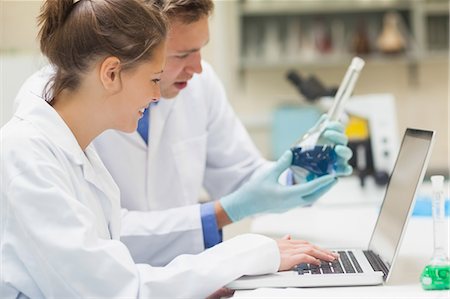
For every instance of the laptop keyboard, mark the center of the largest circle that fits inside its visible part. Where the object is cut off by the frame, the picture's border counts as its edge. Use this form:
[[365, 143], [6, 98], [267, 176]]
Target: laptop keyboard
[[346, 263]]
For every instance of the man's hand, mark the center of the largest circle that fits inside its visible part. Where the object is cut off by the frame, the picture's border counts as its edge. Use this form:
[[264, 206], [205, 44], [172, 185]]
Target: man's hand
[[264, 193]]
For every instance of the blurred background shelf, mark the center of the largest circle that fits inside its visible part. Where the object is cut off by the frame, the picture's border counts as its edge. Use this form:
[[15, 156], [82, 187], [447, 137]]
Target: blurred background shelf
[[334, 60], [286, 33], [268, 7]]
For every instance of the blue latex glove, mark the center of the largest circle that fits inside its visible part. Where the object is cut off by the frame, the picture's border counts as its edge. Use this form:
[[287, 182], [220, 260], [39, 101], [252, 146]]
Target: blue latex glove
[[333, 135], [264, 193]]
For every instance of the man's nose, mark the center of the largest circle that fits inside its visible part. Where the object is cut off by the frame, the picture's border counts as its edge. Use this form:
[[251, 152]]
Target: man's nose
[[194, 66]]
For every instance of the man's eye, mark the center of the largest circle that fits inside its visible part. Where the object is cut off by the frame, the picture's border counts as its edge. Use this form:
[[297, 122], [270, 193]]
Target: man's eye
[[156, 81]]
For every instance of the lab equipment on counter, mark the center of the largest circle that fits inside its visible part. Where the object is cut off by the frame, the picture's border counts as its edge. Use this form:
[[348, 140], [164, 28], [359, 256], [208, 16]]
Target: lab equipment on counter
[[311, 88], [372, 131], [312, 158], [436, 275]]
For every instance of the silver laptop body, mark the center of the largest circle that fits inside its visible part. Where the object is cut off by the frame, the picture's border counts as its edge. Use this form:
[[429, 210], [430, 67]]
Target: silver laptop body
[[376, 264]]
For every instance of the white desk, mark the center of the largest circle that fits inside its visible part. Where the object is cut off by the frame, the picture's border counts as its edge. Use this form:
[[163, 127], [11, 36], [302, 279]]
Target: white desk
[[349, 223]]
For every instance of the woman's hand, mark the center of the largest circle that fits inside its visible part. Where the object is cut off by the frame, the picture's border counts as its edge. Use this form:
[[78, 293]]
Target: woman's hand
[[294, 252]]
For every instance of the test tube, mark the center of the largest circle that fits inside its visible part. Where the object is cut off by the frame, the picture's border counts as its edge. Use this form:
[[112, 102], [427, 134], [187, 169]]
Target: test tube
[[309, 140], [346, 88], [438, 212]]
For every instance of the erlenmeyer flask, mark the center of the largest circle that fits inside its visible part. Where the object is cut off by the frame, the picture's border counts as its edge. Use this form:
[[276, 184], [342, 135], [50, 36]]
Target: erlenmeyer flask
[[391, 39], [311, 157], [436, 275]]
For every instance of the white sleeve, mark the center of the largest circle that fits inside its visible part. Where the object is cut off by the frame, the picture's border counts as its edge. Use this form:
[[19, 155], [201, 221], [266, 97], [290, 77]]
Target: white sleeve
[[232, 156], [175, 231], [246, 254], [52, 237]]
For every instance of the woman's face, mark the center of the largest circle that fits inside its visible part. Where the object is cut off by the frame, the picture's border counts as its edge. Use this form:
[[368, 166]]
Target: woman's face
[[139, 87]]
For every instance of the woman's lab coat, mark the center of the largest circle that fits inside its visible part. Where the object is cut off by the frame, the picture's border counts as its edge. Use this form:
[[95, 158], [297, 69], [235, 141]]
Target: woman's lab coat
[[60, 225], [195, 140]]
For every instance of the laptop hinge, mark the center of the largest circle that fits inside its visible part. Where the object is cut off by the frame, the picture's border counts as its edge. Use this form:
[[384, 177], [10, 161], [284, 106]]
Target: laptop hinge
[[376, 262]]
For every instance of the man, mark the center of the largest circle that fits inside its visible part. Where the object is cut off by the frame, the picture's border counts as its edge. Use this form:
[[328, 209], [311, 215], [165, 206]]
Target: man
[[189, 140]]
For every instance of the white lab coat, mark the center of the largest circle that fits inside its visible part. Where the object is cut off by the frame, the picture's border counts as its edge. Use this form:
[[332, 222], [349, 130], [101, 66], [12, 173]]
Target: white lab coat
[[195, 140], [60, 225]]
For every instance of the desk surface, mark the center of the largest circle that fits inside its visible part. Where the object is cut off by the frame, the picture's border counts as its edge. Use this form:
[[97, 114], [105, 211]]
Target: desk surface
[[337, 221], [410, 291]]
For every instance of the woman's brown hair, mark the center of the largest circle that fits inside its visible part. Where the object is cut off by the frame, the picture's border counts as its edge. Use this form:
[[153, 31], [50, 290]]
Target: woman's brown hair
[[74, 34]]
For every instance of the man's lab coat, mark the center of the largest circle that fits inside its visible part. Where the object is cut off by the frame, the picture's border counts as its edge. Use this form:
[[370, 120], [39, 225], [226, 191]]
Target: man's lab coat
[[60, 225]]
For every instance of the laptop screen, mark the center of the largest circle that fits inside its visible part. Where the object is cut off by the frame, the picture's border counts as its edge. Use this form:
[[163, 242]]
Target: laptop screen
[[406, 176]]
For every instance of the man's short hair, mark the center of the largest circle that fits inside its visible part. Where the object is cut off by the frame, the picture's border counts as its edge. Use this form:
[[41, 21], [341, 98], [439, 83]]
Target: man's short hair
[[186, 11]]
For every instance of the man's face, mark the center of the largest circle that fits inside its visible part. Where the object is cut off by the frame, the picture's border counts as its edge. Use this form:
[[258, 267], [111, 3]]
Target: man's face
[[184, 43]]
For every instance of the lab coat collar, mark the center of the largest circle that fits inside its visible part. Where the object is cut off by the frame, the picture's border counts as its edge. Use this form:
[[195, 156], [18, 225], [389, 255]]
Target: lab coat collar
[[45, 119], [42, 116]]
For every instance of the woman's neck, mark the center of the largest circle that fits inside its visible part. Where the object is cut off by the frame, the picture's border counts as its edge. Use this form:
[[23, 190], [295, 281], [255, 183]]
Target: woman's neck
[[78, 111]]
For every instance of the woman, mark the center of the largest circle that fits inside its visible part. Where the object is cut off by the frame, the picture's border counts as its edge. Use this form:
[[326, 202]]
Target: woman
[[60, 207]]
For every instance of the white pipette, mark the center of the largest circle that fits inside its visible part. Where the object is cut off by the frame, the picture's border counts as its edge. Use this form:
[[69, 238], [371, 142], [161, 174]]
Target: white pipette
[[310, 139]]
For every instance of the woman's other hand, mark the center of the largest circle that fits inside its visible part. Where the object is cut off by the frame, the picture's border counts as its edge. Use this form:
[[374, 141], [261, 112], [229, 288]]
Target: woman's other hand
[[294, 252]]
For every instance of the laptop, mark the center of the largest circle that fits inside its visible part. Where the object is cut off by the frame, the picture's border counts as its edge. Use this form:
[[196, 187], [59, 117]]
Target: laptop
[[374, 265]]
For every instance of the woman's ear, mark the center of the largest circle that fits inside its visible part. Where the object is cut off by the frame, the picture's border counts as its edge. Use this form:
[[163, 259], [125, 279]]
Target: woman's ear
[[110, 74]]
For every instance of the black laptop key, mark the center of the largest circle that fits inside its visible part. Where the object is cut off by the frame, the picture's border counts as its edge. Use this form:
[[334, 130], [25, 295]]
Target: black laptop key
[[355, 262], [315, 271], [346, 262], [326, 268], [302, 269], [337, 268], [349, 268]]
